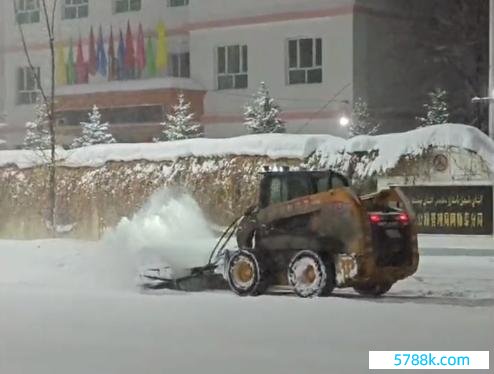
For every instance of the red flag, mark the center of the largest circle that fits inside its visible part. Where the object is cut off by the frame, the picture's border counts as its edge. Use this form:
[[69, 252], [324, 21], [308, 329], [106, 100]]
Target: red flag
[[141, 51], [112, 66], [92, 68], [81, 66], [129, 52]]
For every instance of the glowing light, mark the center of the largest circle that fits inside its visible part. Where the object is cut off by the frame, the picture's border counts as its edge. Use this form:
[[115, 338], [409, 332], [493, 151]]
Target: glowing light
[[344, 121]]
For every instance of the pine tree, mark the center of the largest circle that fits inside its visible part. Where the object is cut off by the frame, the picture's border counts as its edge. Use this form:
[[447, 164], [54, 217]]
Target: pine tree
[[180, 124], [37, 134], [436, 111], [362, 121], [262, 114], [94, 132]]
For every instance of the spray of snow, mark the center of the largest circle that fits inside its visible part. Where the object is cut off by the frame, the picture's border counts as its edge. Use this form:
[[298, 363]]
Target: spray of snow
[[170, 230]]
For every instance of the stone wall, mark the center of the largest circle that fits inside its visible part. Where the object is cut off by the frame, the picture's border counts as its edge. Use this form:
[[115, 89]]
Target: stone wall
[[97, 198]]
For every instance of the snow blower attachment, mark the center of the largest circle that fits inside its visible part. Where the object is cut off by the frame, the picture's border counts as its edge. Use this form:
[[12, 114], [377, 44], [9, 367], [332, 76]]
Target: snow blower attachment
[[310, 233]]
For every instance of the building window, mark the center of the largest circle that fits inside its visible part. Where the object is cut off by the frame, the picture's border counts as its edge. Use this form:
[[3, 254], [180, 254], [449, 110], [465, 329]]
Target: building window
[[73, 9], [27, 87], [27, 11], [180, 65], [305, 61], [173, 3], [122, 6], [232, 67]]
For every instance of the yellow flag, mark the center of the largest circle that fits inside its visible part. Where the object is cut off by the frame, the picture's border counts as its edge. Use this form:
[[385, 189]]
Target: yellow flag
[[162, 47], [61, 77]]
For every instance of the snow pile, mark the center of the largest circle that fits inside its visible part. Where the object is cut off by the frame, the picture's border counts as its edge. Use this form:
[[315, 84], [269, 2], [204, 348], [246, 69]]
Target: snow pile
[[383, 151], [22, 159], [274, 146], [390, 148], [169, 230]]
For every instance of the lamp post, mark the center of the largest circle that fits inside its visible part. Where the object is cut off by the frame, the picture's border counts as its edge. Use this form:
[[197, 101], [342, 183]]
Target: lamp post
[[491, 69]]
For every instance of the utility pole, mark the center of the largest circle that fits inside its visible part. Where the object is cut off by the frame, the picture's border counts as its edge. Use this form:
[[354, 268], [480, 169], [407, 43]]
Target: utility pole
[[491, 69], [489, 99]]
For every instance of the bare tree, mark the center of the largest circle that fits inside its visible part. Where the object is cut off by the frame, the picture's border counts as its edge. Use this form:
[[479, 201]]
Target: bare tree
[[48, 16], [454, 38]]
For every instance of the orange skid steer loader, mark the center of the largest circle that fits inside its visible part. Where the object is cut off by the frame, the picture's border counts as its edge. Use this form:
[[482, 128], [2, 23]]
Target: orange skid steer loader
[[310, 233]]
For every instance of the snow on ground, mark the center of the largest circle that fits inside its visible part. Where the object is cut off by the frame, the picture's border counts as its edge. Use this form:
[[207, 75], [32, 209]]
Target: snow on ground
[[332, 150], [472, 245], [74, 307], [64, 310], [100, 267]]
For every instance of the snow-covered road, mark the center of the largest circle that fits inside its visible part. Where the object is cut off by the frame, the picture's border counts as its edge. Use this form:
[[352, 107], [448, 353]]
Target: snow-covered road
[[72, 307]]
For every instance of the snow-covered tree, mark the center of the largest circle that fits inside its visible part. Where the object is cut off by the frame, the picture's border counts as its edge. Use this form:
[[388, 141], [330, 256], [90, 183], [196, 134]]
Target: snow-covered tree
[[362, 121], [436, 110], [94, 132], [262, 114], [180, 124], [37, 134]]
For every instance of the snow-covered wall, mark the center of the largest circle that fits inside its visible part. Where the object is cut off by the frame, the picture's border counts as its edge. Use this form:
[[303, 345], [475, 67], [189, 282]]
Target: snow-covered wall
[[98, 185]]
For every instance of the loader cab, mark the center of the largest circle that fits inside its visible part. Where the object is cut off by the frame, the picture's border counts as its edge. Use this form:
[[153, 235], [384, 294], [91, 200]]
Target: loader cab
[[280, 186]]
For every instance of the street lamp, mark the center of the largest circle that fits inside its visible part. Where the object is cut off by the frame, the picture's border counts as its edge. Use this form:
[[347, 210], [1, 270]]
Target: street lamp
[[491, 69], [344, 121]]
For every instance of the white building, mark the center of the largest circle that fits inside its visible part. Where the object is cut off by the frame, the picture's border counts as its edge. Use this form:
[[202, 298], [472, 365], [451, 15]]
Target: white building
[[218, 53]]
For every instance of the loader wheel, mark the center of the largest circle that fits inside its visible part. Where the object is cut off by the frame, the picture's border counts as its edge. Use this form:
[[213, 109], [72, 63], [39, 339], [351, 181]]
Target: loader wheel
[[373, 289], [309, 276], [245, 275]]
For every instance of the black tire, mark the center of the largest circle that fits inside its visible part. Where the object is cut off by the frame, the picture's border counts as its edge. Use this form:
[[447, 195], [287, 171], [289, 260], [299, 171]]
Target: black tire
[[309, 275], [246, 274], [330, 281], [373, 289]]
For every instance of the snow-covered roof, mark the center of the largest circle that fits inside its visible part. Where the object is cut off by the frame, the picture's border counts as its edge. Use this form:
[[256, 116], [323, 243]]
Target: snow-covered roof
[[390, 148], [273, 145]]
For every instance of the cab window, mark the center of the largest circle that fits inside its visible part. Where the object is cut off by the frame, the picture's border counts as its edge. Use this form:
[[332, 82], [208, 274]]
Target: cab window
[[337, 181], [323, 184], [299, 186], [277, 191]]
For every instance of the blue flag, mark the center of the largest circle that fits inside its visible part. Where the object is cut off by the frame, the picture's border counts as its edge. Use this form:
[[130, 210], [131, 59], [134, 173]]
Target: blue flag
[[122, 73], [101, 60]]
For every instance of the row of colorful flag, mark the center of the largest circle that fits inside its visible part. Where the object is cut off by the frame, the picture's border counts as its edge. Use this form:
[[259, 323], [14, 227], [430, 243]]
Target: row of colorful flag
[[126, 60]]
